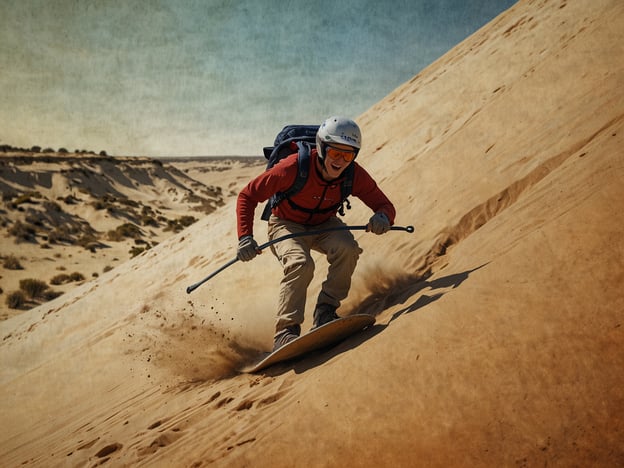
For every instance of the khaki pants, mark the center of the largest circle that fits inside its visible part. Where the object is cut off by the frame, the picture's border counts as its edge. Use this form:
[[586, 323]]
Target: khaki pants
[[341, 250]]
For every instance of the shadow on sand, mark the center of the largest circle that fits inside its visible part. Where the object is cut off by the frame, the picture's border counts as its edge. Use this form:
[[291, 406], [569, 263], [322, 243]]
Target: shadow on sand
[[398, 292]]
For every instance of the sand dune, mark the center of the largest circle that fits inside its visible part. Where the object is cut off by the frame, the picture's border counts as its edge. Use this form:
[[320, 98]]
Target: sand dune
[[81, 214], [498, 339]]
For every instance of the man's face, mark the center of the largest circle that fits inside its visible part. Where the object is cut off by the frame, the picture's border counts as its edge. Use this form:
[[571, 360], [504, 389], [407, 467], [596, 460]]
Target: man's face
[[337, 158]]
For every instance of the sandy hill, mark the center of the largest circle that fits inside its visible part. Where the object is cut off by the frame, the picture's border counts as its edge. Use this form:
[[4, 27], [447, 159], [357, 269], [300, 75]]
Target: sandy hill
[[499, 334], [66, 218]]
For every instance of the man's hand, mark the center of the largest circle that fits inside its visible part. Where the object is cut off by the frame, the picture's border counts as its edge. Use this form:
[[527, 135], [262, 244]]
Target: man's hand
[[378, 224], [247, 248]]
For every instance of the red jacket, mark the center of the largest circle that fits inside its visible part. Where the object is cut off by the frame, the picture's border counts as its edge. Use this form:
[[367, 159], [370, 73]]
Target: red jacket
[[316, 194]]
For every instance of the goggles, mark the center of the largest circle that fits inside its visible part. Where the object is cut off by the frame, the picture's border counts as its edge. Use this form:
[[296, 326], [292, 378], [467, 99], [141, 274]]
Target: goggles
[[336, 153]]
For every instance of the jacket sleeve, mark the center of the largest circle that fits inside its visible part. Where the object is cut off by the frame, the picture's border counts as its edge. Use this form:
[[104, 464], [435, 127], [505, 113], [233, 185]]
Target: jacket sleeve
[[277, 179], [367, 190]]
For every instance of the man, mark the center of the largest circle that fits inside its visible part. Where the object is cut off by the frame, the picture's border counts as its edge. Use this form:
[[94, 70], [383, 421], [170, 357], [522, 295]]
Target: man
[[313, 208]]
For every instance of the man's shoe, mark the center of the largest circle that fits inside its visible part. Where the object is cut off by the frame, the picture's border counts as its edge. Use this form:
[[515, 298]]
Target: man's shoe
[[286, 336], [324, 313]]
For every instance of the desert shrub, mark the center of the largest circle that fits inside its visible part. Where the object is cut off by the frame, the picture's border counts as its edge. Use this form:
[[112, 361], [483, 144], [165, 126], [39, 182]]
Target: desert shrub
[[15, 299], [126, 230], [114, 235], [70, 200], [128, 202], [33, 287], [63, 278], [63, 150], [107, 268], [187, 220], [88, 241], [75, 276], [177, 225], [23, 231], [52, 206], [50, 294], [35, 149], [172, 225], [11, 262], [60, 279], [105, 202], [35, 218], [60, 234], [99, 204], [147, 220], [134, 251]]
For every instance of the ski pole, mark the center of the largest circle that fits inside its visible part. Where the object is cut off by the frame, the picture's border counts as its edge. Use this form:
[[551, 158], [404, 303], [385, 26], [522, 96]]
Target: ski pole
[[193, 287]]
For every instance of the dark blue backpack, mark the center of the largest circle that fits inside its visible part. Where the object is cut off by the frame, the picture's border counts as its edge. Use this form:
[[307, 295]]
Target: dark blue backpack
[[301, 138]]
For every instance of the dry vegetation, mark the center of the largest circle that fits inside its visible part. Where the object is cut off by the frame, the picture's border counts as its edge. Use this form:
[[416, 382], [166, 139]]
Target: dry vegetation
[[91, 210]]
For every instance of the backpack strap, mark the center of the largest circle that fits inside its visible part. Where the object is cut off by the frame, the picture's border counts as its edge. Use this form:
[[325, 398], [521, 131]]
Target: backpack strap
[[303, 170], [346, 187]]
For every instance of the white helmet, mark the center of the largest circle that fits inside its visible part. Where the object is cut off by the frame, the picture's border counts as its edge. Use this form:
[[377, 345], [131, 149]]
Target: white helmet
[[338, 130]]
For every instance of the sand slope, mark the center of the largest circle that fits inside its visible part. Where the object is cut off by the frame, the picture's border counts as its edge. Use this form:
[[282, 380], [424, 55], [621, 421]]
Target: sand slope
[[499, 331]]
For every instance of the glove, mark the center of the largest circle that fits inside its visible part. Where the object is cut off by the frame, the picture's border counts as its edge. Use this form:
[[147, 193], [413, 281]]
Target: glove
[[247, 248], [378, 224]]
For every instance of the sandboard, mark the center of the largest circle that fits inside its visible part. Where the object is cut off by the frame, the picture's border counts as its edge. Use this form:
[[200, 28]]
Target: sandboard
[[318, 338]]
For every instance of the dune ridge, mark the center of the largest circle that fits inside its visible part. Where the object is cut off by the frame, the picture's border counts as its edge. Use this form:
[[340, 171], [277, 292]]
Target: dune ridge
[[498, 335]]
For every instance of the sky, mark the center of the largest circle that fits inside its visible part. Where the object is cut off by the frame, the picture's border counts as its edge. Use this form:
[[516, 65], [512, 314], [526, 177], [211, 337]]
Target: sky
[[209, 77]]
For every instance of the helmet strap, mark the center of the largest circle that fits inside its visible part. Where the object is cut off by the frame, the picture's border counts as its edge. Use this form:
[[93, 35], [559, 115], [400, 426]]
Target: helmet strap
[[322, 156]]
